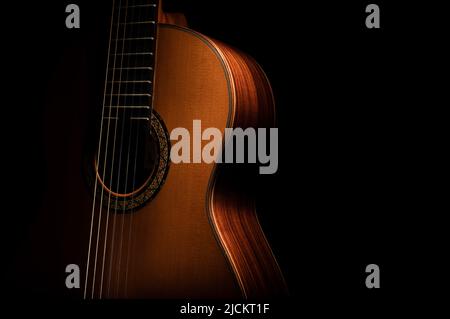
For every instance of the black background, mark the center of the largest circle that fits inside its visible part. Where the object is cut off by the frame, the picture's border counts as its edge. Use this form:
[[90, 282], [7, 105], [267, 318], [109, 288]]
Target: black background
[[353, 185]]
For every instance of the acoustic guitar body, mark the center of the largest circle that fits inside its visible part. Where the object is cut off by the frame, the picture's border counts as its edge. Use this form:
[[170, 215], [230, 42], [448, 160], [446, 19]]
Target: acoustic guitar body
[[197, 235]]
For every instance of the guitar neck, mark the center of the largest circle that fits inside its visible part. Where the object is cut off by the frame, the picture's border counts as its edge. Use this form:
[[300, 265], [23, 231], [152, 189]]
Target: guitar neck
[[131, 57]]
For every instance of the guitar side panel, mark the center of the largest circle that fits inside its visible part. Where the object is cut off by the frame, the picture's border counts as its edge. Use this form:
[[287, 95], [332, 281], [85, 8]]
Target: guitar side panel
[[233, 209]]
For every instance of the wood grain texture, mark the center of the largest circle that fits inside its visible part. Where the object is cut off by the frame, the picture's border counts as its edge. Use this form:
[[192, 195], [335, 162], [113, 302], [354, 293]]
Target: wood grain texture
[[233, 207]]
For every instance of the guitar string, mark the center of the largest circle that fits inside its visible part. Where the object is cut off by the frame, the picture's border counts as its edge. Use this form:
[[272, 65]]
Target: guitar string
[[131, 239], [124, 213], [111, 249], [130, 219], [114, 146], [132, 212], [98, 156], [106, 155], [111, 264]]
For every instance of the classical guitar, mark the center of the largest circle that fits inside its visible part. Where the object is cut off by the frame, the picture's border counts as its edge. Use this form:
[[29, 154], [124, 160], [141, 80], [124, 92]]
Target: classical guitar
[[137, 224]]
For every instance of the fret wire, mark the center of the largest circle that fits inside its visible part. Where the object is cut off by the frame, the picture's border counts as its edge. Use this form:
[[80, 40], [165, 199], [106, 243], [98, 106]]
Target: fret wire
[[140, 6], [133, 31], [137, 22], [139, 118], [135, 68], [135, 39], [134, 6], [134, 53], [130, 81], [128, 106], [130, 94]]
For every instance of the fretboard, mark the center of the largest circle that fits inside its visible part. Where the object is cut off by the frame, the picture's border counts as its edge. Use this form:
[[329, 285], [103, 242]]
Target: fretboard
[[131, 60]]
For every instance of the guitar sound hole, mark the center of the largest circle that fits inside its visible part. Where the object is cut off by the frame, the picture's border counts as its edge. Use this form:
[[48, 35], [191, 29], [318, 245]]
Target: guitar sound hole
[[126, 165], [132, 167]]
